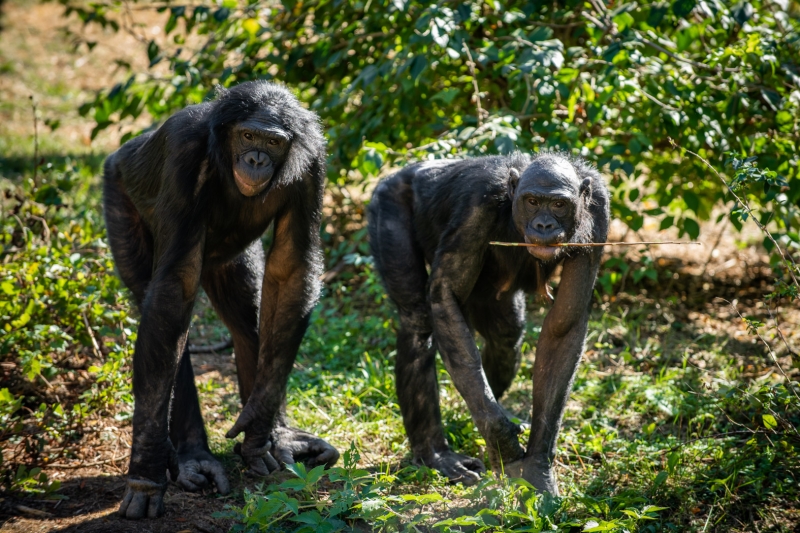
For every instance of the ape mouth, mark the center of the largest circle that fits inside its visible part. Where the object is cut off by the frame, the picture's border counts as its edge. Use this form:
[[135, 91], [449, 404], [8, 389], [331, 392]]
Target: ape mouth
[[544, 251], [250, 185]]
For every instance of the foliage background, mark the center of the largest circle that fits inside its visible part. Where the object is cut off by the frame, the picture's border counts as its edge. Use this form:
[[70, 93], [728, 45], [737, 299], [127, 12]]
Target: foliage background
[[670, 411]]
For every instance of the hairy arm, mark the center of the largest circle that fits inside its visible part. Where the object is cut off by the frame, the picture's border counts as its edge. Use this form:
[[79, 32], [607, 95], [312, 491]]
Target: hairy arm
[[455, 269], [559, 351], [289, 292]]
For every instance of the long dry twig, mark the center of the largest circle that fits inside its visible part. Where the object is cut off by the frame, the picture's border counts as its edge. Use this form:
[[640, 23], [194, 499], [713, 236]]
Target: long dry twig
[[585, 244]]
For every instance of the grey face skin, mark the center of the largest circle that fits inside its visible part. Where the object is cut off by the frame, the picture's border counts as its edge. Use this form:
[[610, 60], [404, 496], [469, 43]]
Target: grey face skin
[[545, 200], [259, 146]]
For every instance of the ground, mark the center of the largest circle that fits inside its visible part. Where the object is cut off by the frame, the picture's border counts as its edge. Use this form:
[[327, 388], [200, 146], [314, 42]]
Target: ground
[[668, 410]]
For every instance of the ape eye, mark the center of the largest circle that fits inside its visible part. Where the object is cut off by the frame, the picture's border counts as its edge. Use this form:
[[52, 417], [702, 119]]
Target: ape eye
[[248, 136], [558, 205], [273, 142], [533, 202]]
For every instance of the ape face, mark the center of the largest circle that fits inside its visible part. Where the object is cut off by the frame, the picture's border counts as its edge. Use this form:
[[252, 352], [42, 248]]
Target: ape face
[[259, 146], [547, 202]]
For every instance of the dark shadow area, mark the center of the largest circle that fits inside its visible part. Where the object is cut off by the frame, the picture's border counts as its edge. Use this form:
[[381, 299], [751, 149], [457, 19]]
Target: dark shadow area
[[91, 505]]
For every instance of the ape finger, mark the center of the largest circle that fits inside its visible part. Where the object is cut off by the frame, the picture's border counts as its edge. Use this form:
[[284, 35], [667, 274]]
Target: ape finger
[[476, 465], [246, 417], [258, 458], [217, 474], [191, 478], [324, 454]]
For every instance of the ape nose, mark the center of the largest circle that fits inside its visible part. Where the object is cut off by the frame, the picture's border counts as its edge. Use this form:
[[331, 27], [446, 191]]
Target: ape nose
[[256, 159], [544, 226]]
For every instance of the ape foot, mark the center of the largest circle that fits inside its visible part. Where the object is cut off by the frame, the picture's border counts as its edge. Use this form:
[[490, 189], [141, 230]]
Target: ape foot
[[292, 445], [455, 467], [143, 498], [198, 469]]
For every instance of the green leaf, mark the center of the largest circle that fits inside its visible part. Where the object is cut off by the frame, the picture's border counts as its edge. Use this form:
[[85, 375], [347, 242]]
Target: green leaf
[[769, 421], [682, 8], [691, 227]]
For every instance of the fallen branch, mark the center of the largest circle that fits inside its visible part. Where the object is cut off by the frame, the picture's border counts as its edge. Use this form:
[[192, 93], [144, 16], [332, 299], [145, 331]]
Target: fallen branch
[[584, 244], [212, 348], [87, 465]]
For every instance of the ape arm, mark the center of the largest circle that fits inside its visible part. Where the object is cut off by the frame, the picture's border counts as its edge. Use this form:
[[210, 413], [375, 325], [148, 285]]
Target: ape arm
[[289, 292], [454, 271], [558, 353]]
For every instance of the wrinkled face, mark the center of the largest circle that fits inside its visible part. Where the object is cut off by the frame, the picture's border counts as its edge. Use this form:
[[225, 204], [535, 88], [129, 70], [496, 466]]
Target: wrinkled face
[[259, 146], [545, 204]]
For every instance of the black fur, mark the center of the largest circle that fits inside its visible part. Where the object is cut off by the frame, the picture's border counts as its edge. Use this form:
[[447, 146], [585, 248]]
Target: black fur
[[441, 216], [178, 218]]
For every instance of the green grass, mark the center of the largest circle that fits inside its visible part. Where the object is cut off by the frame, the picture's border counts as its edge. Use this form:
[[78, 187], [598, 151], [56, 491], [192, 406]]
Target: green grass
[[672, 425]]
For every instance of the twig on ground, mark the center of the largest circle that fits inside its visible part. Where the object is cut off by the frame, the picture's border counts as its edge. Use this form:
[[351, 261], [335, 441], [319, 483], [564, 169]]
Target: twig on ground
[[87, 465], [33, 512], [211, 348], [95, 345]]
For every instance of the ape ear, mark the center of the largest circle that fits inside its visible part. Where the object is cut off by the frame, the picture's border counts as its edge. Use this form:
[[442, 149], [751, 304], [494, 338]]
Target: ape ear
[[586, 185], [513, 180]]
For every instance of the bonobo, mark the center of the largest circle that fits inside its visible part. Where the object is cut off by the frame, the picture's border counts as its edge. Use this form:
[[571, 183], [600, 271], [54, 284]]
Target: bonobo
[[185, 207], [442, 215]]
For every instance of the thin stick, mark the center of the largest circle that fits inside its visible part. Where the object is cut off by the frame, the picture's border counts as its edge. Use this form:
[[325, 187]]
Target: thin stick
[[471, 66], [35, 143], [579, 244]]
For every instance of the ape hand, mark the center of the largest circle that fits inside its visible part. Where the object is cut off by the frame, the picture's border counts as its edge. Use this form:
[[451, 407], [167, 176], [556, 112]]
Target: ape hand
[[255, 450], [456, 467], [257, 457], [540, 474], [292, 445], [502, 443], [199, 469]]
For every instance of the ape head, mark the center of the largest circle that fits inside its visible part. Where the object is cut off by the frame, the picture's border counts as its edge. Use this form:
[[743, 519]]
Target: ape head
[[261, 136], [550, 201]]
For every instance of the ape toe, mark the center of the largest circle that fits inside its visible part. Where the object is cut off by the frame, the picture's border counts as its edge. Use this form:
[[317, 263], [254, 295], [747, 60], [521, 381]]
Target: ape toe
[[143, 498]]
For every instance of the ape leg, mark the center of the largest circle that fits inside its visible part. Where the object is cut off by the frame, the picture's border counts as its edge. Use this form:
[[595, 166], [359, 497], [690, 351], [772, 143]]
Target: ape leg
[[402, 267], [132, 246], [502, 326], [198, 467], [235, 292]]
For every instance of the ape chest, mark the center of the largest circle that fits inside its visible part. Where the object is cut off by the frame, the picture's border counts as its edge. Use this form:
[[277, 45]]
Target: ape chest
[[502, 277]]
